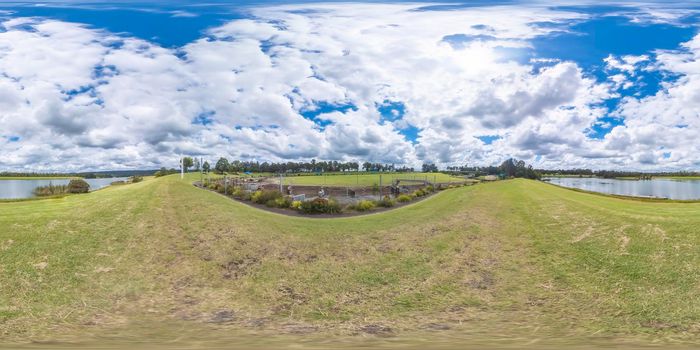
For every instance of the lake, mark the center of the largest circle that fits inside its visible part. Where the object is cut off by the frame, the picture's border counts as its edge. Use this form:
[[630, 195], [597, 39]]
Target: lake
[[16, 189], [659, 188]]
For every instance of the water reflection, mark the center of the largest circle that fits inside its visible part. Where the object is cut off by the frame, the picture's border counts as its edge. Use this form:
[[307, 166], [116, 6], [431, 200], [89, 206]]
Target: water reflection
[[18, 189], [657, 188]]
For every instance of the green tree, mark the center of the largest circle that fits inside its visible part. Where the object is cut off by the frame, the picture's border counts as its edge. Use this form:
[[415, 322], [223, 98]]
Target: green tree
[[206, 167], [187, 163], [429, 168], [221, 166]]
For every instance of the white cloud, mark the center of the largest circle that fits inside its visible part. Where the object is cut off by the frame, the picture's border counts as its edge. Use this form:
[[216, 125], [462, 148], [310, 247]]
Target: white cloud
[[668, 121], [81, 98]]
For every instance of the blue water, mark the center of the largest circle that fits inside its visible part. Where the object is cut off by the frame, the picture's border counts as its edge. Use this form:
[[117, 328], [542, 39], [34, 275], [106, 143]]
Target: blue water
[[17, 189], [659, 188]]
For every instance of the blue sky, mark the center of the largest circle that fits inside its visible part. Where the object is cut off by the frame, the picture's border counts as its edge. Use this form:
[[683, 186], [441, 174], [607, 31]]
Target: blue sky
[[561, 85]]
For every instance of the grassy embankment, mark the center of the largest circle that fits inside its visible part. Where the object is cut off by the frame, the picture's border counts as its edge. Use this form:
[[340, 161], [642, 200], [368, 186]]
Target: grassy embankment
[[511, 262]]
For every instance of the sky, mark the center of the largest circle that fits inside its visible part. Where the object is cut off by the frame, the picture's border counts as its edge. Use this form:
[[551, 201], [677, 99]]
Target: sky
[[94, 85]]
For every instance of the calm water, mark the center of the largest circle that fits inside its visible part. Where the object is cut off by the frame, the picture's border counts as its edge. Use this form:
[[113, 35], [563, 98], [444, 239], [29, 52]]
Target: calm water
[[662, 188], [14, 189]]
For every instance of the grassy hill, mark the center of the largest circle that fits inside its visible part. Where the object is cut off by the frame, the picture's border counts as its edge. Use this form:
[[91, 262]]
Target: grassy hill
[[515, 262]]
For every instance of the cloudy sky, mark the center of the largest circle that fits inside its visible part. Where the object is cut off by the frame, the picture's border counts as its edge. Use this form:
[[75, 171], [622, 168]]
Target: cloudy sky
[[93, 85]]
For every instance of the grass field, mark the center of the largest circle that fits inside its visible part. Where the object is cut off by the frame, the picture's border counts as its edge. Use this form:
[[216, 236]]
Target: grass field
[[510, 263], [365, 179]]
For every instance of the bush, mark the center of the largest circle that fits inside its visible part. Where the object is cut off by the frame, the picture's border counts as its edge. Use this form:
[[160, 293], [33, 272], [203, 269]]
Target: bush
[[386, 202], [238, 193], [320, 206], [243, 195], [50, 190], [429, 189], [134, 179], [262, 197], [404, 198], [296, 205], [78, 186], [281, 202], [419, 193], [364, 205]]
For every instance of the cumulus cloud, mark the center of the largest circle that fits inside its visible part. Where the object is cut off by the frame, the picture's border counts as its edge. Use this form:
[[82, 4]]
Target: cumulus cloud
[[308, 81], [668, 121]]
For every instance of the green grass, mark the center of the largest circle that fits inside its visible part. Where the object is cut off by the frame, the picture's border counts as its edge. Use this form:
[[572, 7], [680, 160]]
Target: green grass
[[508, 262], [366, 179]]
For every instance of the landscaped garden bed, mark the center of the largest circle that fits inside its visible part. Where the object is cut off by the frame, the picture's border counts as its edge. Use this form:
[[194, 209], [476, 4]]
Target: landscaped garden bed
[[323, 201]]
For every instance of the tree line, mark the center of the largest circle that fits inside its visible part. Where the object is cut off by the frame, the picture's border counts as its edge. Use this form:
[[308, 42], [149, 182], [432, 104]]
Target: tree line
[[509, 168], [223, 165]]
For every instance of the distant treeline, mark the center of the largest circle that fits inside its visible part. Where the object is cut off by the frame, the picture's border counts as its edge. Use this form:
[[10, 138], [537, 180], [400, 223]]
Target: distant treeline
[[509, 168], [610, 174], [85, 175], [224, 165]]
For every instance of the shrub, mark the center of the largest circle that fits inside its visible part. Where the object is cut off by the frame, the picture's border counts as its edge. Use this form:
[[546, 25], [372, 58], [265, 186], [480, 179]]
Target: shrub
[[419, 193], [134, 179], [364, 205], [281, 202], [78, 186], [429, 189], [404, 198], [262, 197], [296, 205], [386, 202], [50, 190], [245, 196], [238, 193], [320, 206]]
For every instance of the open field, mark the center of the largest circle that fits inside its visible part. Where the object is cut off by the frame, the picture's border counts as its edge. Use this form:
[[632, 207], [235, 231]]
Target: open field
[[366, 179], [510, 263]]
